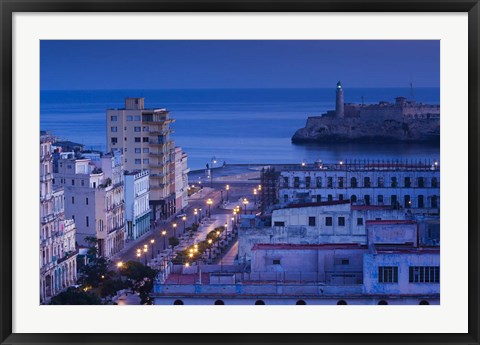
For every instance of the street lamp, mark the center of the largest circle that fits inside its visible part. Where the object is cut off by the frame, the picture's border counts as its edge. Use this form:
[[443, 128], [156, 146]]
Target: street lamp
[[174, 229], [227, 188], [233, 219], [152, 241], [164, 234], [254, 196], [120, 264], [145, 250], [209, 203], [245, 202], [138, 255], [226, 231], [184, 218], [195, 212], [210, 248], [218, 238]]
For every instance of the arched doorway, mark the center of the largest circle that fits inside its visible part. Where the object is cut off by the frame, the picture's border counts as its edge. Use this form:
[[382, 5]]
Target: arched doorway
[[341, 302], [424, 303], [259, 302], [301, 302], [382, 302], [219, 302], [178, 302]]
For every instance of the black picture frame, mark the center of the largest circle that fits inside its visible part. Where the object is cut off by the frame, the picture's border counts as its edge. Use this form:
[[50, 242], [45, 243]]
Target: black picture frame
[[8, 7]]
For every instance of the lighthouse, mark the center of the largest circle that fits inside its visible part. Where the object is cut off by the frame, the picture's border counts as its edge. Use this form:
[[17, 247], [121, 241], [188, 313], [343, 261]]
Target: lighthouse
[[339, 110]]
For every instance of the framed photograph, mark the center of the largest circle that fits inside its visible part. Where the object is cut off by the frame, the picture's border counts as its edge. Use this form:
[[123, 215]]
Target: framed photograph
[[163, 158]]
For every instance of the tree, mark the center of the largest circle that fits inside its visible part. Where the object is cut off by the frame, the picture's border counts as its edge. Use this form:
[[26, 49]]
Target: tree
[[173, 241], [140, 279], [95, 272], [74, 296]]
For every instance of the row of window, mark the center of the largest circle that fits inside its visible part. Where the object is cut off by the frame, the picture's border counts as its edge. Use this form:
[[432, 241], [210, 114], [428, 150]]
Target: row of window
[[421, 182], [114, 118], [394, 202], [114, 140], [416, 274], [299, 302], [114, 129], [312, 221]]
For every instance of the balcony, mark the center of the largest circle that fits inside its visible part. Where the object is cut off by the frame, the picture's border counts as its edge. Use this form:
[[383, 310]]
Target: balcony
[[157, 154], [46, 157], [48, 218], [46, 177]]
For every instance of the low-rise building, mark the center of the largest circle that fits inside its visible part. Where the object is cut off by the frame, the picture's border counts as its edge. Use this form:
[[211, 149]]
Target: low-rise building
[[137, 209], [414, 186]]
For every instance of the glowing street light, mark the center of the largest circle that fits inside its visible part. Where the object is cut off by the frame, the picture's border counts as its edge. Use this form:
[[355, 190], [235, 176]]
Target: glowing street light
[[227, 188], [152, 241], [174, 229], [245, 203], [120, 264], [209, 203], [145, 251], [254, 196], [184, 218], [195, 213], [164, 234]]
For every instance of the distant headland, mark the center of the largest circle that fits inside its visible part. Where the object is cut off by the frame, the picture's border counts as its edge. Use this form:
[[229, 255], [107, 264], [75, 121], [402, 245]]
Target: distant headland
[[385, 122]]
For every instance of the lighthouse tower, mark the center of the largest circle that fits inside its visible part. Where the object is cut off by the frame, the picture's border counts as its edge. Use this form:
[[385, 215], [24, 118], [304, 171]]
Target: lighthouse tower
[[339, 110]]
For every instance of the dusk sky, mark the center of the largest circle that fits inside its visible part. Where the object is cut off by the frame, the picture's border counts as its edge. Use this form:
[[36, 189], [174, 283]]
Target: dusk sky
[[237, 64]]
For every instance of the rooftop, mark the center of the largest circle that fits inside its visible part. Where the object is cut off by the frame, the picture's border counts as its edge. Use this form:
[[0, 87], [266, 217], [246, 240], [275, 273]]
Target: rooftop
[[290, 246]]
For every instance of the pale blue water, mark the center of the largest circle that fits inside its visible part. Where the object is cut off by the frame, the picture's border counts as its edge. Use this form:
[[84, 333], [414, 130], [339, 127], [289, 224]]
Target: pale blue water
[[236, 126]]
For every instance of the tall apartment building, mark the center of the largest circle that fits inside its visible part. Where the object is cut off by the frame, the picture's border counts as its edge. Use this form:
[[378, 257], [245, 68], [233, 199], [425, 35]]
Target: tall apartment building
[[407, 185], [58, 265], [137, 209], [143, 136], [94, 198]]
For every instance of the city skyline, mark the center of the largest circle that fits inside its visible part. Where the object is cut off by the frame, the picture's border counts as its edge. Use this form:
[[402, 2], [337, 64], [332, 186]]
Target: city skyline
[[206, 64]]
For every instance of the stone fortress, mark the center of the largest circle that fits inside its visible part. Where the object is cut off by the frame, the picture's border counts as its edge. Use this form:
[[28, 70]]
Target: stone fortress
[[402, 121]]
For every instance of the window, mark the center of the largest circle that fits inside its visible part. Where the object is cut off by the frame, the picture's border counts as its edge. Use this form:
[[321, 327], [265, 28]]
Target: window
[[138, 139], [421, 182], [73, 182], [328, 221], [345, 261], [145, 139], [330, 182], [285, 182], [393, 200], [125, 138], [424, 274], [434, 201], [380, 199], [73, 200], [137, 129], [340, 197], [145, 128], [146, 150], [359, 221], [86, 221], [129, 118], [146, 161], [113, 118], [296, 182], [311, 221], [341, 221], [353, 199], [407, 202], [421, 201], [137, 117], [138, 150], [380, 183], [113, 129], [388, 274], [86, 201], [366, 181], [113, 140], [393, 182], [278, 223], [285, 198], [366, 198], [307, 181], [340, 182], [353, 182], [434, 182], [276, 262], [408, 182], [138, 161], [319, 182], [329, 197]]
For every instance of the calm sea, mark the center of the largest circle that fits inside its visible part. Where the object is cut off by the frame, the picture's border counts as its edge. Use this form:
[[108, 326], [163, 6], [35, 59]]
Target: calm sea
[[235, 126]]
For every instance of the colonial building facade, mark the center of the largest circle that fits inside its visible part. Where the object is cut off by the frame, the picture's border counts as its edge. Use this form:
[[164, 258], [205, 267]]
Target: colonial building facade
[[414, 186], [58, 266]]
